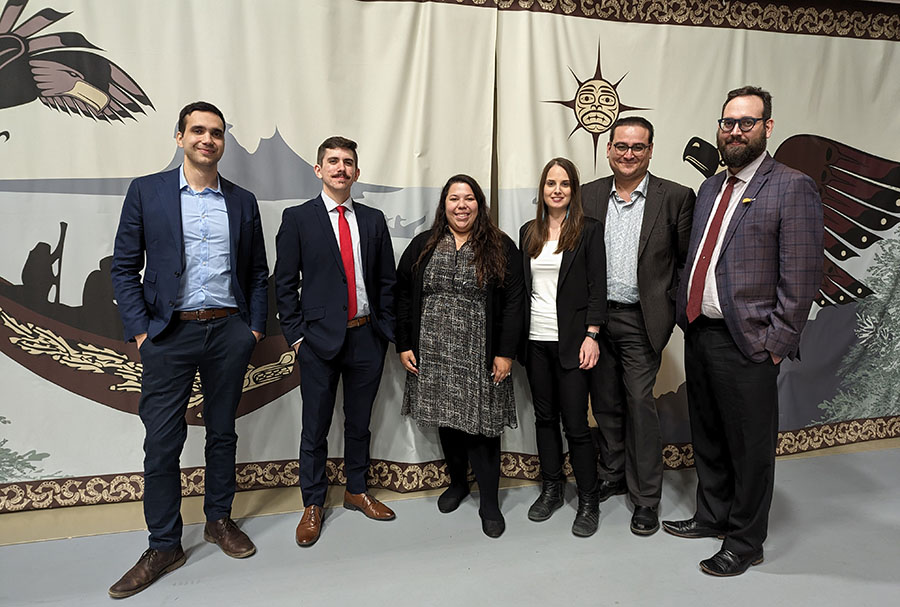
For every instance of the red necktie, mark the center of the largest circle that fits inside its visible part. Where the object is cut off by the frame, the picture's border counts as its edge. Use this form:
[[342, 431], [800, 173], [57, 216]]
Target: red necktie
[[695, 297], [347, 258]]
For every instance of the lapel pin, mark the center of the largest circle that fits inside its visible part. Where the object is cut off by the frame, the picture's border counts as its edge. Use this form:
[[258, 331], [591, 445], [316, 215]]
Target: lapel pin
[[747, 200]]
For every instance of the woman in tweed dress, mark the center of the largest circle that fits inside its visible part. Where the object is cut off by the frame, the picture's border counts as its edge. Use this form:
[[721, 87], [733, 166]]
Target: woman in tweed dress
[[460, 302]]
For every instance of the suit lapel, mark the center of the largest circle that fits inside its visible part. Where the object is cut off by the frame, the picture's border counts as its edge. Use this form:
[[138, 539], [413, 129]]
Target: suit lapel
[[233, 207], [325, 226], [363, 226], [169, 197], [702, 211], [652, 206], [605, 187], [751, 192]]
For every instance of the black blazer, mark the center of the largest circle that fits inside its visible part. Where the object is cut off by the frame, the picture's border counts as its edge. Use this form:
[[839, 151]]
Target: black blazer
[[150, 230], [580, 291], [504, 305], [318, 314], [662, 249]]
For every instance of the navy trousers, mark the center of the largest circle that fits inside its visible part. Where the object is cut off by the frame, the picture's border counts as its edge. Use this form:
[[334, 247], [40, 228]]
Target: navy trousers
[[359, 364], [219, 350]]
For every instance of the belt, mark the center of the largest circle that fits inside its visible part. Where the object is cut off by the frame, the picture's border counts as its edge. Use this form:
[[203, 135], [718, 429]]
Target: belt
[[206, 313], [705, 321], [618, 305], [358, 322]]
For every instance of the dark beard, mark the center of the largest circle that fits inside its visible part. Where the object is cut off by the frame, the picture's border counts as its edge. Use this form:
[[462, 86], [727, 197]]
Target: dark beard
[[736, 159]]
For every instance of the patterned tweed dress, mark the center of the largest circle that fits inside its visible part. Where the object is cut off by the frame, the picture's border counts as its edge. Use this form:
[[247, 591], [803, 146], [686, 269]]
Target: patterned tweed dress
[[454, 387]]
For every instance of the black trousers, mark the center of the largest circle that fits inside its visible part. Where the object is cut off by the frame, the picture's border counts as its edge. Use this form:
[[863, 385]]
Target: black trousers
[[219, 350], [359, 364], [559, 393], [622, 401], [733, 405], [483, 452]]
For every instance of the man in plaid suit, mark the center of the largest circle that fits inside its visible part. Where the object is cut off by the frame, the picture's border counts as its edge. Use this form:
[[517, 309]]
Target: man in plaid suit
[[754, 266]]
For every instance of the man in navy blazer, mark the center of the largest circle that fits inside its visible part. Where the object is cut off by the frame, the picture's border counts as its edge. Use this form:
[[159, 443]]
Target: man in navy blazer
[[339, 324], [200, 307], [754, 267]]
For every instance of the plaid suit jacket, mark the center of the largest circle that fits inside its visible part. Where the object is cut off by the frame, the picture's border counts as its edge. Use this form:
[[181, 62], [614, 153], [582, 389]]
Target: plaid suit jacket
[[770, 267]]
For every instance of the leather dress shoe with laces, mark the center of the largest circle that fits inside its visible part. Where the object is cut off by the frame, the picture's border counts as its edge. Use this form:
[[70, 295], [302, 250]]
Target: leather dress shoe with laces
[[310, 526], [149, 568], [452, 497], [607, 489], [644, 521], [226, 535], [587, 517], [726, 563], [690, 528], [368, 505], [550, 500]]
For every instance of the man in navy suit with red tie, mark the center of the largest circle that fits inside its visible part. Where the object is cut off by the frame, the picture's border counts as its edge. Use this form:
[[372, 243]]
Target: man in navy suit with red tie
[[753, 268], [339, 325]]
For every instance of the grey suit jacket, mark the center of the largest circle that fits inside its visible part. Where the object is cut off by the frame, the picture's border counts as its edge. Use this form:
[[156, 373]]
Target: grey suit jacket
[[662, 250]]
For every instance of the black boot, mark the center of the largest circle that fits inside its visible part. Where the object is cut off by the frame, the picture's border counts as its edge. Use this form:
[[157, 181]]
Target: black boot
[[453, 443], [550, 499], [587, 519]]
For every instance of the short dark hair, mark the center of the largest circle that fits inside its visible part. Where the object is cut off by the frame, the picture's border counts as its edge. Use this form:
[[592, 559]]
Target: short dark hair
[[632, 121], [753, 91], [197, 106], [337, 143]]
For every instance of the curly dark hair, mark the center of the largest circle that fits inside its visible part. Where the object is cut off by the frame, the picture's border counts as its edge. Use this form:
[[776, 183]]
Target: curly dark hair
[[486, 238]]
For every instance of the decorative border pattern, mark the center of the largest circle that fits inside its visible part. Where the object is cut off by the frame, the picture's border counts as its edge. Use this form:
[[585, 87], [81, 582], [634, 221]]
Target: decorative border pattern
[[395, 476], [853, 20]]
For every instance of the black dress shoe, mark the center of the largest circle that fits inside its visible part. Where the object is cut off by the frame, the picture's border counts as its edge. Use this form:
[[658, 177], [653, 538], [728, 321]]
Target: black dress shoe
[[726, 563], [690, 528], [550, 499], [644, 521], [607, 489], [493, 527], [452, 497]]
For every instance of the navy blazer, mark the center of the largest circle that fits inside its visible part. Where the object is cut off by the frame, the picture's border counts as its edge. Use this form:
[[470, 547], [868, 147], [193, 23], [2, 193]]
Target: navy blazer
[[771, 261], [150, 230], [318, 313]]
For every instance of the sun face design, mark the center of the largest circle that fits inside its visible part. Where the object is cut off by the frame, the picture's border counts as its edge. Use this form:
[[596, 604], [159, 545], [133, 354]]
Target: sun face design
[[596, 104]]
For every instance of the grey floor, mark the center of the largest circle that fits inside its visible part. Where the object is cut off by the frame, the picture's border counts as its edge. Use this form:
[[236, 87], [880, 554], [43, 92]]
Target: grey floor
[[834, 539]]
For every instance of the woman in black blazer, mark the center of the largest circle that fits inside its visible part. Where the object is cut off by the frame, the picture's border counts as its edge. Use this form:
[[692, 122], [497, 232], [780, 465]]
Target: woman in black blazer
[[564, 262]]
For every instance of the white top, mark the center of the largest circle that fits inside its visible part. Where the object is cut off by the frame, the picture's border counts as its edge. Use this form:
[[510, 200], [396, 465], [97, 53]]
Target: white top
[[544, 278], [709, 305]]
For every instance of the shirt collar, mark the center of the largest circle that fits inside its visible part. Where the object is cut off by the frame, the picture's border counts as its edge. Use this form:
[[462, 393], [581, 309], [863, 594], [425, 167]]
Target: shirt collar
[[747, 173], [641, 189], [331, 204], [182, 183]]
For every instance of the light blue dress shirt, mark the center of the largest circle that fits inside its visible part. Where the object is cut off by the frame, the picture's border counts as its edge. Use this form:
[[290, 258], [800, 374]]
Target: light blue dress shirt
[[206, 281], [622, 238]]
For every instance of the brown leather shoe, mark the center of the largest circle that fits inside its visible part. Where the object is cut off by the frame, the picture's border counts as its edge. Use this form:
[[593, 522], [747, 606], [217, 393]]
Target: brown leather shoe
[[310, 526], [368, 505], [150, 567], [233, 542]]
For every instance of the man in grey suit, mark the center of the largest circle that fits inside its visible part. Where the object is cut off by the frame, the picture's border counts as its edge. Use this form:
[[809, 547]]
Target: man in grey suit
[[647, 226]]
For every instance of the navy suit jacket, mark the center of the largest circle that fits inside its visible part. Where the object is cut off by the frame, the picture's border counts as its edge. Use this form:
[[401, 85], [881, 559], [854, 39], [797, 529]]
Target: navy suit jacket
[[318, 313], [150, 231], [770, 265]]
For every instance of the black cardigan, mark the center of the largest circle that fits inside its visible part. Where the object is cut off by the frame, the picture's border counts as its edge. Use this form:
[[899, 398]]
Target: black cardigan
[[504, 307]]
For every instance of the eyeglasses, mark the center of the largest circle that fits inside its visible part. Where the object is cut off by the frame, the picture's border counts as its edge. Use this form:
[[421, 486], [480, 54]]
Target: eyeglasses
[[636, 148], [746, 123]]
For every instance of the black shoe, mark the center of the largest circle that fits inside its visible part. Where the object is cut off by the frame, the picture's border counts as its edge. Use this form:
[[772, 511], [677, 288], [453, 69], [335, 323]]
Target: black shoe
[[452, 497], [607, 489], [493, 527], [550, 499], [644, 521], [587, 519], [690, 528], [726, 563]]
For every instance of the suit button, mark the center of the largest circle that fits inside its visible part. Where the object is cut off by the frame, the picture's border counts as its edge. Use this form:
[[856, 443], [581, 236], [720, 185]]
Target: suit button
[[171, 304], [345, 281], [345, 308], [177, 274]]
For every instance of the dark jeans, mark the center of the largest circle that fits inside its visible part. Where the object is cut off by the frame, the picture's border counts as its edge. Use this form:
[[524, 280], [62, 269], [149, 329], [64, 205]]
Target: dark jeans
[[733, 404], [359, 365], [483, 452], [559, 393], [622, 401], [219, 350]]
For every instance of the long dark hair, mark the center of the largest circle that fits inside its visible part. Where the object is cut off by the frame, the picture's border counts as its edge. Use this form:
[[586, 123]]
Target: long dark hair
[[485, 238], [538, 231]]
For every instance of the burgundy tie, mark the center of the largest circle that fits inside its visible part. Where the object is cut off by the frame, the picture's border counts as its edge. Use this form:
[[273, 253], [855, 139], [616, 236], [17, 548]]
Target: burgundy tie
[[347, 258], [695, 297]]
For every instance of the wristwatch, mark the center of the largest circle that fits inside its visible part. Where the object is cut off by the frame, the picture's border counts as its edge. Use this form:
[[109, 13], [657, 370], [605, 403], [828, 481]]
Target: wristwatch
[[595, 335]]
